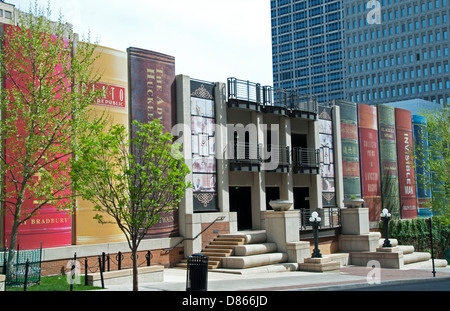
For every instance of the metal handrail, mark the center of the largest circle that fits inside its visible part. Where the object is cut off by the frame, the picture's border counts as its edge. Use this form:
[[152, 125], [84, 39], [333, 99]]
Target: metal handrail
[[220, 218]]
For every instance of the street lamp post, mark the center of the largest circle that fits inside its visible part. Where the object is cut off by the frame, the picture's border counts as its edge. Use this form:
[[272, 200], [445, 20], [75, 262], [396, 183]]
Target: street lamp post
[[385, 217], [315, 221]]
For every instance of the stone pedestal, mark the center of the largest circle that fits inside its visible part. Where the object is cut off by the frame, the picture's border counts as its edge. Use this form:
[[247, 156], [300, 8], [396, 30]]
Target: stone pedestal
[[320, 265], [355, 221], [385, 257], [298, 251], [282, 228], [359, 243]]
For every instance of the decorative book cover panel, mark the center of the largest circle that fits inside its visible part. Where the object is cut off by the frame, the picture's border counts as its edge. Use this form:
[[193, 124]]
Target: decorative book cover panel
[[369, 161], [388, 159], [405, 153]]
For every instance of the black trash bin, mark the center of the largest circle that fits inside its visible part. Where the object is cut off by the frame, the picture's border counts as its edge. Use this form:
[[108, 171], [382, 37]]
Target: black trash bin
[[197, 273]]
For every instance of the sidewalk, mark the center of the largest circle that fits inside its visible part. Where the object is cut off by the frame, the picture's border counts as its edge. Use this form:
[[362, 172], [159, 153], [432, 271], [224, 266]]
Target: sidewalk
[[349, 276]]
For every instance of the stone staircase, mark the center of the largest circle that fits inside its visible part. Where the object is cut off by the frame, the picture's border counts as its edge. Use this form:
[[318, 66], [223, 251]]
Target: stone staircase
[[244, 252], [416, 260]]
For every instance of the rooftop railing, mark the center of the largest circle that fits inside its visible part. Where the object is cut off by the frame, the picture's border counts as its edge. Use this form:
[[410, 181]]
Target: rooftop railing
[[266, 96]]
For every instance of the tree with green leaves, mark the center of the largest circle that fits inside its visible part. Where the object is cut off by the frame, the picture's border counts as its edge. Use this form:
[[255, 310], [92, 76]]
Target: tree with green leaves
[[134, 180], [436, 163], [45, 106]]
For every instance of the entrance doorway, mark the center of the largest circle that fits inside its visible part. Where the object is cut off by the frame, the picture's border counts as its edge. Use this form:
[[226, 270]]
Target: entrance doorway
[[301, 198], [241, 203]]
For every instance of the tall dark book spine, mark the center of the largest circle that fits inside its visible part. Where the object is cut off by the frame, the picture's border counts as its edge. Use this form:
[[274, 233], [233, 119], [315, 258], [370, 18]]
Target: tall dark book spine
[[369, 160], [421, 156], [405, 154], [388, 159], [350, 149]]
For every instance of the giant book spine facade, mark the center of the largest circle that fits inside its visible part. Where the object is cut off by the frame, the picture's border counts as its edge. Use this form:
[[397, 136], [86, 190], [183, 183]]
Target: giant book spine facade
[[388, 159], [151, 78], [112, 64], [370, 162], [422, 169], [51, 226], [350, 149], [405, 153]]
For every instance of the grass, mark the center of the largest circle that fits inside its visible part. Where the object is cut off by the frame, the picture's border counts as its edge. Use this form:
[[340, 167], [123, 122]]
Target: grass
[[55, 283]]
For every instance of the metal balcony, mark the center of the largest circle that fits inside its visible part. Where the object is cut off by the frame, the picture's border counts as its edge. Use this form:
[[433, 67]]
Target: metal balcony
[[279, 155], [249, 95], [245, 157], [305, 160]]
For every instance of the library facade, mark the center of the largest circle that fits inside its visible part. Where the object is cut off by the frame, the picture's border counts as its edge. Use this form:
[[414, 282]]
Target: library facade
[[261, 161]]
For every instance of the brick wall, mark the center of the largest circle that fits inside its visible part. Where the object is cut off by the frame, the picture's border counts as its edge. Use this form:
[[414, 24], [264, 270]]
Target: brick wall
[[159, 257], [218, 228], [327, 245]]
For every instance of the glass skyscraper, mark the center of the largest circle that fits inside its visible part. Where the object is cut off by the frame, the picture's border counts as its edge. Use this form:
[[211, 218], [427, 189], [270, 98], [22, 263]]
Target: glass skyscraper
[[307, 47], [362, 51]]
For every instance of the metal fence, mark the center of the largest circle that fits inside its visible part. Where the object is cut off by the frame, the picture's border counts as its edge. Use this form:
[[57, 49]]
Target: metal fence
[[331, 217], [25, 268]]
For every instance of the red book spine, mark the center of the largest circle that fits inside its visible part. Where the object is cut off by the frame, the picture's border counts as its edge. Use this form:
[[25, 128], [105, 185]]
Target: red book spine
[[51, 227], [370, 162], [405, 149]]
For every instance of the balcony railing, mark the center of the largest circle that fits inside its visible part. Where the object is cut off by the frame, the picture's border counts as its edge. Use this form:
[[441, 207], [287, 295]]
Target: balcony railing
[[278, 155], [250, 95], [305, 160], [245, 156], [331, 218]]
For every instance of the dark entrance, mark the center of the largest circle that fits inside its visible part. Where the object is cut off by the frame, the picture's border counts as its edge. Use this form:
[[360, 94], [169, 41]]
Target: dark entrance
[[241, 202], [272, 193], [301, 198]]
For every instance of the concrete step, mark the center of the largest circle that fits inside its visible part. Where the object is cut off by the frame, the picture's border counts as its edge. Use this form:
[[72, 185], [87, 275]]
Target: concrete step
[[428, 264], [255, 249], [406, 249], [251, 236], [214, 254], [279, 267], [342, 258], [212, 264], [230, 239], [242, 262], [223, 242], [416, 257]]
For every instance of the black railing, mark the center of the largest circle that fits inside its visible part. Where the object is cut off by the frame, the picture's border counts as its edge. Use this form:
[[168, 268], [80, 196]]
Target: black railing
[[305, 159], [277, 154], [330, 218], [269, 98], [245, 90]]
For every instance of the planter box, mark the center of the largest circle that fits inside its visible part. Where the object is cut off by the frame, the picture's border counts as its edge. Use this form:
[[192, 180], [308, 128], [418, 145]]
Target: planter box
[[118, 277], [355, 221]]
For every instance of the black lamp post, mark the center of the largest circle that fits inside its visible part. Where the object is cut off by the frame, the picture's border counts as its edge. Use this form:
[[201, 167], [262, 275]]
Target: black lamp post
[[385, 217], [315, 221]]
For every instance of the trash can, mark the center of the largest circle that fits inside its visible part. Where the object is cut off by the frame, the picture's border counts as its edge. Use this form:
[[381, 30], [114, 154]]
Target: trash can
[[197, 273]]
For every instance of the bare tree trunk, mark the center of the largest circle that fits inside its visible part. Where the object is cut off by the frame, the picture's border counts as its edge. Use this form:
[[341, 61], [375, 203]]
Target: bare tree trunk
[[13, 240], [135, 270]]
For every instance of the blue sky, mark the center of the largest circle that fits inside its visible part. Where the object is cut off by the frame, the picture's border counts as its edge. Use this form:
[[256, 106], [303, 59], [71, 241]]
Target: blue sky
[[210, 39]]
